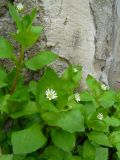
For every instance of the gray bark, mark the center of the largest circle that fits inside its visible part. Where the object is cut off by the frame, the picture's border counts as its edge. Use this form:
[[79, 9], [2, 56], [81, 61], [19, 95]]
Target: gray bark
[[114, 71]]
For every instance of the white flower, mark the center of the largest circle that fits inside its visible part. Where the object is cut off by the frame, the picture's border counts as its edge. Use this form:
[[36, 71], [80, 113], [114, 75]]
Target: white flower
[[75, 70], [104, 87], [100, 116], [20, 6], [50, 94], [77, 97]]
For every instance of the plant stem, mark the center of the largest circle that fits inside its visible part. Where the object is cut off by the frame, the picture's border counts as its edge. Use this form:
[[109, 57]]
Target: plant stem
[[19, 65]]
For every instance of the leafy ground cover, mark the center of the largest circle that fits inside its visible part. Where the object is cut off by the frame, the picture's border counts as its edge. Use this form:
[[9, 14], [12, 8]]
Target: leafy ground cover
[[48, 119]]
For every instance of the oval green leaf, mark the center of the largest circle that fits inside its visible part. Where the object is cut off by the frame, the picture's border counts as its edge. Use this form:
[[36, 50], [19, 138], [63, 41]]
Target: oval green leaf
[[40, 60], [27, 140]]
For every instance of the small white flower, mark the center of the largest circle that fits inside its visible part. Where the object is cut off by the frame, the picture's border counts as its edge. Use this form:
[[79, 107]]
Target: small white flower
[[100, 116], [50, 94], [104, 87], [75, 70], [77, 97], [20, 6]]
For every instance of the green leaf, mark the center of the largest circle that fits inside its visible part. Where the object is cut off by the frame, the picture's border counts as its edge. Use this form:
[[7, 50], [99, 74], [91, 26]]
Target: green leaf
[[33, 14], [92, 151], [54, 153], [3, 84], [71, 77], [40, 60], [99, 138], [6, 49], [107, 99], [94, 85], [19, 157], [72, 70], [98, 125], [112, 121], [27, 20], [16, 96], [71, 121], [33, 87], [28, 38], [89, 151], [114, 138], [15, 15], [86, 96], [27, 109], [3, 76], [4, 103], [63, 139], [117, 108], [118, 154], [28, 140], [89, 109], [36, 30], [6, 157], [101, 153], [27, 34], [76, 158], [50, 80]]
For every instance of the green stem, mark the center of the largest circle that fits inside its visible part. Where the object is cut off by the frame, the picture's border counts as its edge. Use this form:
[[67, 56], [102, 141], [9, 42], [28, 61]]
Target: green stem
[[19, 65]]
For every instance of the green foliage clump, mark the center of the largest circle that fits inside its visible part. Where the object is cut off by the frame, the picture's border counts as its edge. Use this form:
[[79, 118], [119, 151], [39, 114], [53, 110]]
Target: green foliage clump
[[47, 119]]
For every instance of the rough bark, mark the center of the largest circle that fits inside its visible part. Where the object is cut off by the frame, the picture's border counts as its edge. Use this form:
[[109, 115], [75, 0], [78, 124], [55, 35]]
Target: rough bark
[[114, 71], [85, 32]]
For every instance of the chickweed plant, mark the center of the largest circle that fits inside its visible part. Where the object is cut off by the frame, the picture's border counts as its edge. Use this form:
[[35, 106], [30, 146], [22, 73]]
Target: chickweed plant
[[48, 119]]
